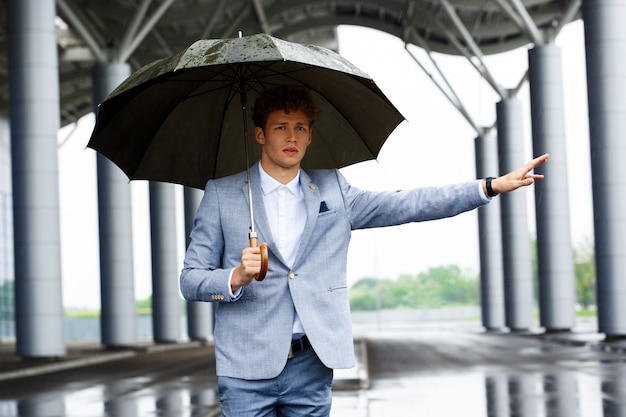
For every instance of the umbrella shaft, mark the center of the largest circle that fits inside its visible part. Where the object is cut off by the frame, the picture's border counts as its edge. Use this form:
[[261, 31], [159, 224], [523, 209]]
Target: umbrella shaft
[[244, 112]]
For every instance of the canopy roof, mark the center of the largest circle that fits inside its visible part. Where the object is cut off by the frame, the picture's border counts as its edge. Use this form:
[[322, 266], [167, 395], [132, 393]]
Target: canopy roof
[[140, 31]]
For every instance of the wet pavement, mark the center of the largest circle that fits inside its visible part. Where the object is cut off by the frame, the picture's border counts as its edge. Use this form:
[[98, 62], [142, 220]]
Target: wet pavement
[[467, 374], [432, 372]]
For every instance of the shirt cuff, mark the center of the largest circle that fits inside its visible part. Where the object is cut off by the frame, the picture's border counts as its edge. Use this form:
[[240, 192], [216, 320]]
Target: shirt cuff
[[485, 198], [237, 294]]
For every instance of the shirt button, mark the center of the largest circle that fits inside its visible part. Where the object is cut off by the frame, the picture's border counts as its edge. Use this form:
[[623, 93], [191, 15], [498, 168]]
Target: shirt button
[[291, 275]]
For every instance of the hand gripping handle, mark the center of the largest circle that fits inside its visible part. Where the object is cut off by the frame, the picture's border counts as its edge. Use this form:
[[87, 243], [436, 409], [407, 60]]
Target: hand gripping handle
[[253, 244]]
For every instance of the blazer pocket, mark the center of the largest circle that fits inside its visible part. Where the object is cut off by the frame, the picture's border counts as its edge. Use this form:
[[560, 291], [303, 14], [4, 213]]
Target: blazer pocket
[[323, 214]]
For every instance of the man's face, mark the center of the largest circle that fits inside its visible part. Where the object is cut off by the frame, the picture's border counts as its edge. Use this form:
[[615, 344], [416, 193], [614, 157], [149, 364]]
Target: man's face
[[285, 139]]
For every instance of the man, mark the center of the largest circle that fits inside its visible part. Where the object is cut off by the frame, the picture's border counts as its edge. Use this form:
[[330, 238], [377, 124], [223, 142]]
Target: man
[[277, 340]]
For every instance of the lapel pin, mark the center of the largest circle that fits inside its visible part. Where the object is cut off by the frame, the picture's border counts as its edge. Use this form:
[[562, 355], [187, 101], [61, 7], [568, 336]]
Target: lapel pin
[[312, 187]]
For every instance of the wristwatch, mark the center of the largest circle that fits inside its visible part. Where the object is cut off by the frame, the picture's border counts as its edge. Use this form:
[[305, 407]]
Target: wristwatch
[[490, 191]]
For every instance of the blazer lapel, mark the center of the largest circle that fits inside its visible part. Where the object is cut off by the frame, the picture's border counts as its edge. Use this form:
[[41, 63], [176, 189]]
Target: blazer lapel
[[261, 223], [312, 204]]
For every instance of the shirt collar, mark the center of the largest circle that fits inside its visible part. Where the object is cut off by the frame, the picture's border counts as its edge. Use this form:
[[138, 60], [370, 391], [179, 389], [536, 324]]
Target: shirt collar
[[269, 184]]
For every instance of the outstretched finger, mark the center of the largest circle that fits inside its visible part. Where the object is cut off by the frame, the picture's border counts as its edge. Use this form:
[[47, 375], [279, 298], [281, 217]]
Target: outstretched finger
[[538, 161], [535, 176], [531, 165]]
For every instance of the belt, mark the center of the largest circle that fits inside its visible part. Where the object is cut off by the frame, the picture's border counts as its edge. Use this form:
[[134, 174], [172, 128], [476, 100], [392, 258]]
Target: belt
[[299, 346]]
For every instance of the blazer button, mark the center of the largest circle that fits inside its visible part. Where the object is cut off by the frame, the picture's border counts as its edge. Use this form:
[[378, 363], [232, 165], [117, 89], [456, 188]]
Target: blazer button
[[292, 275]]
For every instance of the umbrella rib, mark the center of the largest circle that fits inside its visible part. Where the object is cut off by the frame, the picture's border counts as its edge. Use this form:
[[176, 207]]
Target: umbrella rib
[[249, 73]]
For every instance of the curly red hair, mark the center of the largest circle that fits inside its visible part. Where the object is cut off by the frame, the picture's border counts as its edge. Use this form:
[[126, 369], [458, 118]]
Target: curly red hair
[[287, 98]]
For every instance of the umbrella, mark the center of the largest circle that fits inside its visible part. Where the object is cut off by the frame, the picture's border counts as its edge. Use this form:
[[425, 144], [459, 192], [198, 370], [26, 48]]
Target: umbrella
[[179, 119]]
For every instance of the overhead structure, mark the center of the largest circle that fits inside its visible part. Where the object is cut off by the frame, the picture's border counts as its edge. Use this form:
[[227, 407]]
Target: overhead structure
[[141, 31]]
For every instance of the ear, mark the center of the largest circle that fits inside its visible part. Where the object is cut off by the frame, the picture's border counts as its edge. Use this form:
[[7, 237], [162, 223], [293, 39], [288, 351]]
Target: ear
[[259, 135]]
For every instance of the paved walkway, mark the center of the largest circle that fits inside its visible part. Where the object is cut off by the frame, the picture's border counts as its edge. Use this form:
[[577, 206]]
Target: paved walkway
[[420, 371]]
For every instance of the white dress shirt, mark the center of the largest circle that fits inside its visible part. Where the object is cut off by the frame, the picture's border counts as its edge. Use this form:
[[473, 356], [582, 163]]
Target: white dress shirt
[[286, 213]]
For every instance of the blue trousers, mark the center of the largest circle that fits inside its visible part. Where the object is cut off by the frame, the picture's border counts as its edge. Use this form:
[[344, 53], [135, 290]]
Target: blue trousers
[[303, 388]]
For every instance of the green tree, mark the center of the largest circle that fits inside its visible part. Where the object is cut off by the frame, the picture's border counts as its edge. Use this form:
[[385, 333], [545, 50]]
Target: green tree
[[535, 266], [144, 306], [363, 295], [366, 293], [585, 272], [453, 285], [437, 287], [449, 285]]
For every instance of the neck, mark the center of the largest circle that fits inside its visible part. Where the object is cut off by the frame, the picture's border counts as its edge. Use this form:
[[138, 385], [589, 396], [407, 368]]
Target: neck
[[281, 174]]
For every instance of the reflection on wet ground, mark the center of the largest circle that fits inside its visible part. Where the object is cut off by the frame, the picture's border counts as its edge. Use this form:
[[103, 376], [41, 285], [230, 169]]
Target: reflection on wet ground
[[476, 394], [432, 373], [171, 401], [439, 374], [173, 382]]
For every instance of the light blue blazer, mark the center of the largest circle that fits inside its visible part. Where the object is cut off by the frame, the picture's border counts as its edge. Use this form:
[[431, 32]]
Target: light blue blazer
[[253, 332]]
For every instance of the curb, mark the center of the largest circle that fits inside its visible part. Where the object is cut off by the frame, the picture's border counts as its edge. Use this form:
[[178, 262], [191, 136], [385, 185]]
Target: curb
[[65, 363]]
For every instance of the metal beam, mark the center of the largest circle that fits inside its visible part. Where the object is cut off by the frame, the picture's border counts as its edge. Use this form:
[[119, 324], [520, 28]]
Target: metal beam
[[529, 24], [471, 43], [161, 40], [213, 20], [233, 26], [147, 27], [568, 15], [450, 94], [134, 26], [508, 9], [260, 12], [81, 27]]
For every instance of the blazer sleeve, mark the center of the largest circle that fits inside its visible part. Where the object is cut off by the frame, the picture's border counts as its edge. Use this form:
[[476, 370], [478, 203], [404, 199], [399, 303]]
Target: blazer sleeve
[[368, 209], [204, 277]]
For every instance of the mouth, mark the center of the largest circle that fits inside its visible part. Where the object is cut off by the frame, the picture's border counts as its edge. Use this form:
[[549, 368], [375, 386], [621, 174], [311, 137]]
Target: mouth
[[290, 151]]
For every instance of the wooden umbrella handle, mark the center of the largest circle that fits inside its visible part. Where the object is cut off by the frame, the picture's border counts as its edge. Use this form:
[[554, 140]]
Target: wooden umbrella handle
[[253, 244]]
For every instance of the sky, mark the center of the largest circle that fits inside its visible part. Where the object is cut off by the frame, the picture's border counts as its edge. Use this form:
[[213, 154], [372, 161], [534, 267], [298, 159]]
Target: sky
[[435, 145]]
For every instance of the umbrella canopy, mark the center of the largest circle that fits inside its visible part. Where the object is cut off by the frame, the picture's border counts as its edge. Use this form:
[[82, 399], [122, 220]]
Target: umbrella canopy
[[179, 119]]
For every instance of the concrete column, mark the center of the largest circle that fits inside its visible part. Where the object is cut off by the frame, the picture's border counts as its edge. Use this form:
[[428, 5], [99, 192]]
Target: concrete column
[[5, 154], [605, 43], [117, 294], [562, 394], [7, 257], [490, 239], [166, 301], [497, 395], [199, 314], [525, 395], [518, 276], [34, 104], [555, 260], [41, 405]]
